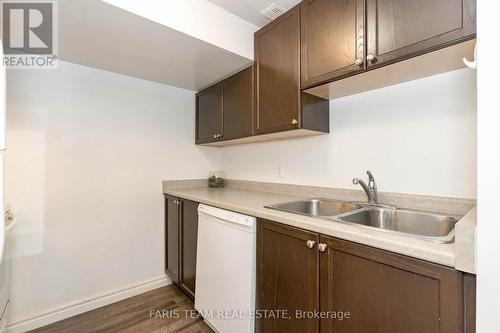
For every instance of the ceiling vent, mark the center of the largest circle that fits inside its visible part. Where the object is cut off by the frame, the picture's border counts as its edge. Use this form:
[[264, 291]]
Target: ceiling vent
[[273, 11]]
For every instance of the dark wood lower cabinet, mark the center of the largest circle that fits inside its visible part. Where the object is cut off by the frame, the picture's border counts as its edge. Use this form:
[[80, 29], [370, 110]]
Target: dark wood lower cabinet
[[353, 288], [172, 238], [181, 235], [470, 303], [189, 238], [287, 278], [386, 292]]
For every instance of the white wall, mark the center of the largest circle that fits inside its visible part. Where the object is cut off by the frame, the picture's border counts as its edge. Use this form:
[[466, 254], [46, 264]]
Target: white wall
[[418, 137], [488, 227], [87, 151]]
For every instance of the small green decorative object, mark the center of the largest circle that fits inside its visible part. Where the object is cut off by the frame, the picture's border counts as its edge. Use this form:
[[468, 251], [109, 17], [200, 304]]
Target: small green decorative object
[[216, 181]]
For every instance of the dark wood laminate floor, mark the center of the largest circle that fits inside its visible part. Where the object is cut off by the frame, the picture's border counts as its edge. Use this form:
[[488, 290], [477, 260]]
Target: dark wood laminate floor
[[134, 315]]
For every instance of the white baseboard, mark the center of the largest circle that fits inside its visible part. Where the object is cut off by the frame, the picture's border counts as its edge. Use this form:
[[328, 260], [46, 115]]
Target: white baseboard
[[86, 305]]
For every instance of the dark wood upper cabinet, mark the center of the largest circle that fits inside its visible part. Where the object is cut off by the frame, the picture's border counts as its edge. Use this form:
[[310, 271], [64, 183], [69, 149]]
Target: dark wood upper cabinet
[[387, 292], [181, 235], [238, 105], [277, 68], [287, 277], [225, 111], [280, 105], [301, 56], [332, 40], [400, 29], [189, 238], [209, 114], [172, 238]]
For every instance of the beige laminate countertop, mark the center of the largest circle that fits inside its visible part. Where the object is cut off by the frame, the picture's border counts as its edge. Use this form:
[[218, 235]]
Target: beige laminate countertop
[[252, 202]]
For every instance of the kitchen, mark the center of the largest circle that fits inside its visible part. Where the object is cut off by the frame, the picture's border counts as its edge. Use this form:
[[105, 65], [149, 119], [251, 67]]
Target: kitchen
[[287, 106]]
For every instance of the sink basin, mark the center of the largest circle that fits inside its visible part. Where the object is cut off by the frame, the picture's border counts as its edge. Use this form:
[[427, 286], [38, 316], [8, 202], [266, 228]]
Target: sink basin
[[316, 207], [431, 226]]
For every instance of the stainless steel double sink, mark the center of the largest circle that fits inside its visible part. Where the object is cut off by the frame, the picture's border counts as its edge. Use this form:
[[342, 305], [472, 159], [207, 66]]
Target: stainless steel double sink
[[430, 226]]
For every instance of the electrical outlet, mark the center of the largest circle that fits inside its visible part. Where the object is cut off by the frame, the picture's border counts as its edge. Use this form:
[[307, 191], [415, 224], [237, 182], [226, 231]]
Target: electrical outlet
[[281, 170]]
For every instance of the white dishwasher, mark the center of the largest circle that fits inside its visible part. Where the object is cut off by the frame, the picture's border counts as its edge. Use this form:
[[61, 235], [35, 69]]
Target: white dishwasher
[[225, 270]]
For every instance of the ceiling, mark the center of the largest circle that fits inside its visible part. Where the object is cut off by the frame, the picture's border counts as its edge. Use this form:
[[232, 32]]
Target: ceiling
[[96, 34], [249, 10]]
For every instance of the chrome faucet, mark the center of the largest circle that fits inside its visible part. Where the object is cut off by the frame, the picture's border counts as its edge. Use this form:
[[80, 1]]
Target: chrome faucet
[[370, 189]]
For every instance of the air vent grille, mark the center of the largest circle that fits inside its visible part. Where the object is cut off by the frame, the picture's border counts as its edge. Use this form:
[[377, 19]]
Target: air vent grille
[[273, 11]]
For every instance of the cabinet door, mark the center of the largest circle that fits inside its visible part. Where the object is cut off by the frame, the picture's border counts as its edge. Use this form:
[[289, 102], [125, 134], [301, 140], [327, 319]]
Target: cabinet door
[[172, 238], [332, 40], [277, 64], [287, 277], [386, 292], [238, 105], [400, 29], [209, 114], [189, 237], [469, 303]]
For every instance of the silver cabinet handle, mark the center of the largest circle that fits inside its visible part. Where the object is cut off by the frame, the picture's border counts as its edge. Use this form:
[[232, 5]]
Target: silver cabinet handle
[[310, 244], [322, 247], [215, 136], [370, 57], [358, 61], [295, 122], [175, 202]]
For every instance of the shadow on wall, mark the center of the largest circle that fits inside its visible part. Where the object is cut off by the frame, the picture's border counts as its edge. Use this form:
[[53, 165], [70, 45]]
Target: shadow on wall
[[418, 137], [25, 187]]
